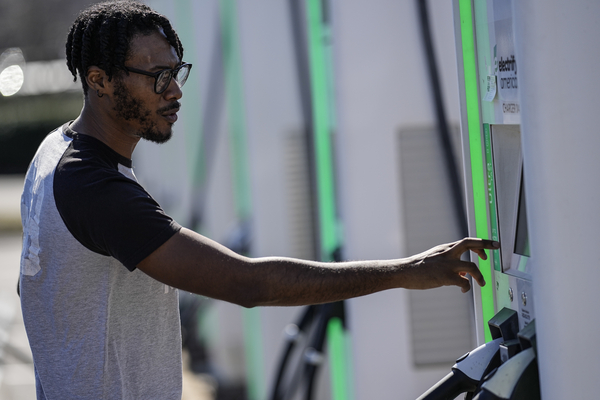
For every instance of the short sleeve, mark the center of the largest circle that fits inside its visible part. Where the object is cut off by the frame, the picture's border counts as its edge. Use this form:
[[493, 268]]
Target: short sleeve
[[107, 212]]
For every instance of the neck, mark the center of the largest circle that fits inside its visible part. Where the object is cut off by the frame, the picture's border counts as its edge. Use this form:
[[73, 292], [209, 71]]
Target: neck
[[94, 122]]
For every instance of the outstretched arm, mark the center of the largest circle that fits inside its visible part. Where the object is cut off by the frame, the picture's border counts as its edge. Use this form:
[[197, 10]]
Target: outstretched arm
[[194, 263]]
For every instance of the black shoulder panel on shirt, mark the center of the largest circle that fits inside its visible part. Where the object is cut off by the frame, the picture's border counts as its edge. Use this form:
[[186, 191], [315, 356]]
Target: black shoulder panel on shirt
[[104, 210]]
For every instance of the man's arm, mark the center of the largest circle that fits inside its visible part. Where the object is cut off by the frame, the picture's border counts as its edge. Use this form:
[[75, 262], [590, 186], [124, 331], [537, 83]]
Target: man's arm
[[194, 263]]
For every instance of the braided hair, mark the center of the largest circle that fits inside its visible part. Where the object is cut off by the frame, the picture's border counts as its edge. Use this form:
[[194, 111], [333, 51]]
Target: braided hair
[[102, 33]]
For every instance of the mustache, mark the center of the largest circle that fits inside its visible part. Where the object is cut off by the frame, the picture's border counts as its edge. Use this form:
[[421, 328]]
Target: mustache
[[173, 106]]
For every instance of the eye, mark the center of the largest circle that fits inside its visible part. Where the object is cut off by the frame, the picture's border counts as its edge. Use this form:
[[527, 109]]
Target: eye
[[163, 80]]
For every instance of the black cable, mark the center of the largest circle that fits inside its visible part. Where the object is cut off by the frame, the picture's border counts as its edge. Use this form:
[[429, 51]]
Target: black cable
[[443, 130], [314, 359], [313, 323], [305, 319], [314, 353]]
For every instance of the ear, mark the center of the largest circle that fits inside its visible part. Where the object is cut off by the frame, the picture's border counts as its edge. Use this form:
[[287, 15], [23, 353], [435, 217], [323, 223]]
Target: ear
[[96, 79]]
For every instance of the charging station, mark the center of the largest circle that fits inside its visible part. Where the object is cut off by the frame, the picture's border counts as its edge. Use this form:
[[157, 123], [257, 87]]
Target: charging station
[[526, 87], [505, 364], [496, 190]]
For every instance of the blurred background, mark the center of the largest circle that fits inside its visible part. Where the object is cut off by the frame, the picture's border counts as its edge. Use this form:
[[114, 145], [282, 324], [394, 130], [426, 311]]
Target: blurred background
[[319, 129], [36, 95]]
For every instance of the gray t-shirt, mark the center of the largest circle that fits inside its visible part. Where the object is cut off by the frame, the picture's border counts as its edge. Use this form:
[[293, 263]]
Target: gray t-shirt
[[98, 327]]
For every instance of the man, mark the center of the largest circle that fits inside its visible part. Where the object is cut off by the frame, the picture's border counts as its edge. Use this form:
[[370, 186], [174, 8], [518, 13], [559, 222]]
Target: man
[[101, 259]]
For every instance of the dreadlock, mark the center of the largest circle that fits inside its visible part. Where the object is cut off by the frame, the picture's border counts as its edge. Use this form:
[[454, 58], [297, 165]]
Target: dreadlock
[[102, 33]]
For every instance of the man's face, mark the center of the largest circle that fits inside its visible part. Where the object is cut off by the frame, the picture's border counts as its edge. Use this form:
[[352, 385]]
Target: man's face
[[148, 114]]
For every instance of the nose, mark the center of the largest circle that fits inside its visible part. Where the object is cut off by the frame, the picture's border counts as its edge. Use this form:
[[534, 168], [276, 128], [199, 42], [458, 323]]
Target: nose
[[173, 91]]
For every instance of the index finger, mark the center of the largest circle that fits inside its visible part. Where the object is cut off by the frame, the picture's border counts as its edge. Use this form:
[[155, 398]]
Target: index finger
[[476, 244]]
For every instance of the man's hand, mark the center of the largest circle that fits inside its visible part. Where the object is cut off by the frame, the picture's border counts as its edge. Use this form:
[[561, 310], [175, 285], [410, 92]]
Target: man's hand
[[442, 266]]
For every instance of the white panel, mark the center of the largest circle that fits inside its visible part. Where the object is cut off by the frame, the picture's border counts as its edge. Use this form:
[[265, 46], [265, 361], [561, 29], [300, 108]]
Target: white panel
[[556, 47], [381, 87], [272, 112]]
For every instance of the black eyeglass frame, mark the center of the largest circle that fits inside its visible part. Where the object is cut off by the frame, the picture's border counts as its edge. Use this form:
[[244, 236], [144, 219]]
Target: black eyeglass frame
[[172, 73]]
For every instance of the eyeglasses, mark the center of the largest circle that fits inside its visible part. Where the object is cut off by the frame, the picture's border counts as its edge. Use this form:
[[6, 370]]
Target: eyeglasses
[[162, 79]]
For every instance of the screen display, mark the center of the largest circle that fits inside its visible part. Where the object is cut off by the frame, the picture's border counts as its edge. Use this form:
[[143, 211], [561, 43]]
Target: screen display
[[522, 234]]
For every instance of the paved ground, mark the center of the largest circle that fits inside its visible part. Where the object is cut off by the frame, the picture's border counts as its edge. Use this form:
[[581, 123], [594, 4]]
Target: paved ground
[[16, 367]]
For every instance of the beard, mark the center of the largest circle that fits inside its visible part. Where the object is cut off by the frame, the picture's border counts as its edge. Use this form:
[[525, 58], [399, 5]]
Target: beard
[[132, 109]]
